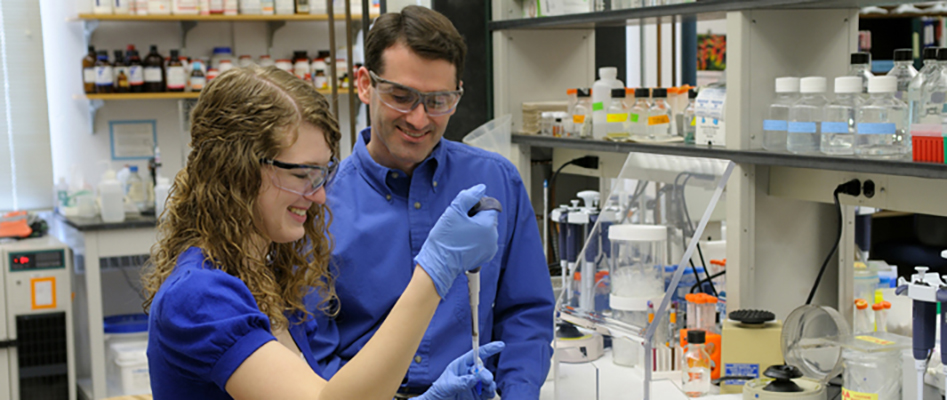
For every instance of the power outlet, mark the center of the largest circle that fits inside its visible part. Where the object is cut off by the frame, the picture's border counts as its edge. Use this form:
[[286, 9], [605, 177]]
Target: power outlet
[[868, 188]]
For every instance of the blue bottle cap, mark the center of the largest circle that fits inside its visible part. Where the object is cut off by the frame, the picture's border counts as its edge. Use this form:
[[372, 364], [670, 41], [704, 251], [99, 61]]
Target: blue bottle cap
[[133, 168]]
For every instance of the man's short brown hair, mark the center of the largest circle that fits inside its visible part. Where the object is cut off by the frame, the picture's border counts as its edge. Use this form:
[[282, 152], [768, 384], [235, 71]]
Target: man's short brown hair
[[426, 32]]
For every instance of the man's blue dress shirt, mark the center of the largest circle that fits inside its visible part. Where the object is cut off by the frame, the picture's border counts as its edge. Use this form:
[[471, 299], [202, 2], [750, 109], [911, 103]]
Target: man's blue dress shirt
[[382, 217]]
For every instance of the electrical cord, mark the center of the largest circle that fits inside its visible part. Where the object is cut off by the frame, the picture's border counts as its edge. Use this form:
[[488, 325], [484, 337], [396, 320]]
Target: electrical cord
[[690, 225], [852, 188], [714, 276]]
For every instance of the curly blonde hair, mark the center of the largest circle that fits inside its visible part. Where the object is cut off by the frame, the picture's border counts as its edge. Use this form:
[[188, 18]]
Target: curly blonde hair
[[243, 115]]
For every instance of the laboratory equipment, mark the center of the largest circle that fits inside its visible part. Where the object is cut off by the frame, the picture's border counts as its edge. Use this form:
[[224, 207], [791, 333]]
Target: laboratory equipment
[[473, 289], [689, 122], [575, 346], [872, 365], [638, 115], [659, 115], [805, 117], [617, 116], [36, 328], [601, 91], [696, 366], [882, 122], [926, 290], [838, 127], [750, 342], [582, 114], [777, 122], [861, 67], [701, 314], [136, 191], [926, 74], [934, 93], [863, 322], [637, 270], [904, 71], [783, 382], [111, 198]]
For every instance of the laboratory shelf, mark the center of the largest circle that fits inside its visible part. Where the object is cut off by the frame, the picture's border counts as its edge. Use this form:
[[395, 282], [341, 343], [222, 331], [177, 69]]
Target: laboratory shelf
[[623, 17], [166, 95], [208, 18], [753, 157]]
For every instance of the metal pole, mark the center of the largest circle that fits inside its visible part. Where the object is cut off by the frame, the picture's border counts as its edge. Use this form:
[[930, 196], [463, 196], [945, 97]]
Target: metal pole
[[689, 50], [641, 63], [353, 109], [674, 50], [333, 74], [658, 25], [366, 24]]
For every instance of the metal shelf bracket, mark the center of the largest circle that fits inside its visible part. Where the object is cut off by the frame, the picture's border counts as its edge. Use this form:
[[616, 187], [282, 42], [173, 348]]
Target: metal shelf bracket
[[271, 28], [88, 28], [94, 106], [186, 27]]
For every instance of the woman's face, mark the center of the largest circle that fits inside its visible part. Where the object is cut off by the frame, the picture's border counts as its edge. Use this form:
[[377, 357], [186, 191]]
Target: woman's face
[[280, 213]]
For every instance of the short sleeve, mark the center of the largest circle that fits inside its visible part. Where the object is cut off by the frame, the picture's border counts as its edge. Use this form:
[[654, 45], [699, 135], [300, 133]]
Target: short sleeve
[[207, 323]]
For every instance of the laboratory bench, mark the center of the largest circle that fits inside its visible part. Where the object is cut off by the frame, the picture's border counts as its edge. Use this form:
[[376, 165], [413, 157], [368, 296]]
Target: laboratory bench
[[99, 246]]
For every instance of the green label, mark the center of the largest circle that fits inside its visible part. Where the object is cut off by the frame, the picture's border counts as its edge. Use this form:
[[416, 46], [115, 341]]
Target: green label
[[634, 117], [598, 106]]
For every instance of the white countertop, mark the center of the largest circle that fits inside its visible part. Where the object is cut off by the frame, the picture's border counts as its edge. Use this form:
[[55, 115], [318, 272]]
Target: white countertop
[[615, 382]]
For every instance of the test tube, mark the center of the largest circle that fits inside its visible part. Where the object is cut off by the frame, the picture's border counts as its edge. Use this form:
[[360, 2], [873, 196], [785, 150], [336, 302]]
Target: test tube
[[691, 310], [880, 320], [862, 321], [707, 309]]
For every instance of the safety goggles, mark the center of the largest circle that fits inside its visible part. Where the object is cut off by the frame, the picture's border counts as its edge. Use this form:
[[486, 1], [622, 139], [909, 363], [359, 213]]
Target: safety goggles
[[405, 99], [300, 178]]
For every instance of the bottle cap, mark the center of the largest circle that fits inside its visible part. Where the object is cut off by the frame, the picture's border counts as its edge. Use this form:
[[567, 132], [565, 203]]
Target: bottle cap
[[221, 50], [618, 93], [629, 92], [102, 55], [861, 58], [696, 336], [812, 84], [174, 54], [607, 73], [583, 92], [659, 93], [877, 306], [266, 56], [787, 84], [882, 84], [245, 56], [848, 84], [570, 92], [942, 54], [133, 168], [903, 55], [861, 304], [642, 93], [692, 94], [930, 53]]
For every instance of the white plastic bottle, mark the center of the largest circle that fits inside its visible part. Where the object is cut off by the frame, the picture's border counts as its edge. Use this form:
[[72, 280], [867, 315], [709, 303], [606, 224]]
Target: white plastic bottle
[[161, 194], [251, 7], [61, 193], [838, 126], [111, 198], [881, 122], [601, 94], [926, 74], [777, 122], [638, 115], [805, 117], [121, 7], [904, 71], [659, 115], [689, 122], [582, 114], [159, 7], [141, 7]]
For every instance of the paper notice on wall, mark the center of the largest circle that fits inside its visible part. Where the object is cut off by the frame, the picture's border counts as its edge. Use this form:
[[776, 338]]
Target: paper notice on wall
[[43, 293], [132, 140]]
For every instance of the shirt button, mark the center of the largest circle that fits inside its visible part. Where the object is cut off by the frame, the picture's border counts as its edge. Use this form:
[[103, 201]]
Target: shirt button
[[435, 183], [417, 205], [417, 359], [394, 174], [388, 197]]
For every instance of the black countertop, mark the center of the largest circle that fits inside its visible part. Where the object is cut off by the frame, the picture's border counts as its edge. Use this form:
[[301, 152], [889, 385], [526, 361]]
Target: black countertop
[[96, 224]]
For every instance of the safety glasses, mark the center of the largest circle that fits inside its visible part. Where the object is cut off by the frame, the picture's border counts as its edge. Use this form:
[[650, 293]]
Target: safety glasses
[[404, 99], [300, 178]]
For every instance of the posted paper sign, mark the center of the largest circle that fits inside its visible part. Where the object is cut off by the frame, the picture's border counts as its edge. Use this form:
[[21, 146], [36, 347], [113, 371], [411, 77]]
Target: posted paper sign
[[133, 140], [43, 293]]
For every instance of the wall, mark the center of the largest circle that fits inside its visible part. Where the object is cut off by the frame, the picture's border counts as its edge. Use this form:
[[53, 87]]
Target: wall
[[73, 146]]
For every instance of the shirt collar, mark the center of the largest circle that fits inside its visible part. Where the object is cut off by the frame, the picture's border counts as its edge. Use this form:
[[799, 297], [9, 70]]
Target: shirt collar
[[376, 174]]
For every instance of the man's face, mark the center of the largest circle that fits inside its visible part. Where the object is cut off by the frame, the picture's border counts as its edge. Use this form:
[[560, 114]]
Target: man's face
[[402, 140]]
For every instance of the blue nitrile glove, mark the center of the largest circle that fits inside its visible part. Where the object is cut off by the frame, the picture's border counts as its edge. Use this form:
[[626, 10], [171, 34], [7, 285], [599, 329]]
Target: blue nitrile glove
[[459, 243], [458, 381]]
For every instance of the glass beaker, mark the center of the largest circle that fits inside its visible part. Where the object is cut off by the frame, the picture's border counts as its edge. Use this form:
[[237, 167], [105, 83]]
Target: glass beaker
[[873, 373]]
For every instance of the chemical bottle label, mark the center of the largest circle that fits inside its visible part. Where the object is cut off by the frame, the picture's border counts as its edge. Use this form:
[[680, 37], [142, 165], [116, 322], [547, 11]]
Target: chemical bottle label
[[802, 127], [872, 339], [88, 75], [835, 127], [694, 121], [198, 82], [876, 128], [774, 125], [103, 76], [617, 117], [578, 118], [633, 117], [598, 106], [135, 76], [177, 78], [658, 120], [853, 395], [152, 74], [320, 82]]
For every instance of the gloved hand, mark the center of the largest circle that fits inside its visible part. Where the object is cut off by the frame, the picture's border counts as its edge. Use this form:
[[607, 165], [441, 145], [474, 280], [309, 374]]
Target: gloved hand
[[458, 381], [459, 243]]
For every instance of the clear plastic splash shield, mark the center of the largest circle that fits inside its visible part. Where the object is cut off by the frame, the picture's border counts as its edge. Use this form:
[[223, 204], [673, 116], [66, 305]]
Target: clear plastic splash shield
[[651, 189]]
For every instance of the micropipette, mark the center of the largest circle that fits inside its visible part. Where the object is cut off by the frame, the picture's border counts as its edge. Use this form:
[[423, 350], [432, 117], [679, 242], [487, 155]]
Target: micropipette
[[473, 289]]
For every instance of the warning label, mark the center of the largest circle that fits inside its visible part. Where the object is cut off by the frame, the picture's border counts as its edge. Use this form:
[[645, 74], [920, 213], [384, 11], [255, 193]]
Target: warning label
[[752, 370], [852, 395]]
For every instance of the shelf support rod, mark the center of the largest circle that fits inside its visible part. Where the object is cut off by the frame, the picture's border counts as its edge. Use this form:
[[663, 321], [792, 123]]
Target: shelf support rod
[[186, 27], [88, 28], [94, 106], [271, 28]]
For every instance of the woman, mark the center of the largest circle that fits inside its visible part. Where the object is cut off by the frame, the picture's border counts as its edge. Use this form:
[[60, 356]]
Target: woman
[[244, 238]]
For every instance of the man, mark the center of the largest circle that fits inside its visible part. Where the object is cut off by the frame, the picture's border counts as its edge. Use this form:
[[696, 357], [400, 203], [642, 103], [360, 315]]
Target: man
[[401, 176]]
